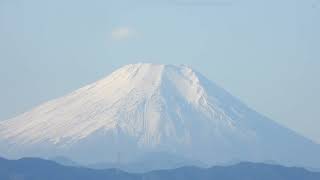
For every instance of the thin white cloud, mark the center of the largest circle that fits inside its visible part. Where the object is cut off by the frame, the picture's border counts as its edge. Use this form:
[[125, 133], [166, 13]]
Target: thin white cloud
[[121, 33]]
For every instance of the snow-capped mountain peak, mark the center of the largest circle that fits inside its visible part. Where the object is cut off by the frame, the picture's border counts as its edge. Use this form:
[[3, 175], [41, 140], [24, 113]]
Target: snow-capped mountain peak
[[143, 108]]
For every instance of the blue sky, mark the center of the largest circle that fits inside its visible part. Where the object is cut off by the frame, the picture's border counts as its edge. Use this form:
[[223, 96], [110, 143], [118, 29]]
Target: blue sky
[[266, 52]]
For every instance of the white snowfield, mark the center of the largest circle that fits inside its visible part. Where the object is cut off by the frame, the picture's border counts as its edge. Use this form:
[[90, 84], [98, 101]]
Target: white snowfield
[[143, 108]]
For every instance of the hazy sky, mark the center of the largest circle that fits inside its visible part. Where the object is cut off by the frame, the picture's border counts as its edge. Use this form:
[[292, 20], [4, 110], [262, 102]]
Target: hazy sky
[[266, 52]]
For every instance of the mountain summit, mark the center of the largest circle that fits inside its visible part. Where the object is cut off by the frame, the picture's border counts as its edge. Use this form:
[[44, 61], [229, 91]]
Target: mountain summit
[[146, 108]]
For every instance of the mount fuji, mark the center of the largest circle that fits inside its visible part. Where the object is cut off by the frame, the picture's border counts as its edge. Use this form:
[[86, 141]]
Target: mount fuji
[[152, 108]]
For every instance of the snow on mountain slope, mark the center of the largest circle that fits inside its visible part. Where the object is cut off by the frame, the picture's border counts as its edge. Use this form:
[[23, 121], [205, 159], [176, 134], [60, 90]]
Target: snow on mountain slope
[[143, 108]]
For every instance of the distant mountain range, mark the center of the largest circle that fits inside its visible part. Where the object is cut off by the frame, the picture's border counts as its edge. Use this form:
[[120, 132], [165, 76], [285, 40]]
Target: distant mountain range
[[38, 169], [150, 162], [147, 162]]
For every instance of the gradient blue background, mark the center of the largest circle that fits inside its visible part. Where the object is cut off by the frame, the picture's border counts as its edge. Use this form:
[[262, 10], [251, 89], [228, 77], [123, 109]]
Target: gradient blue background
[[266, 52]]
